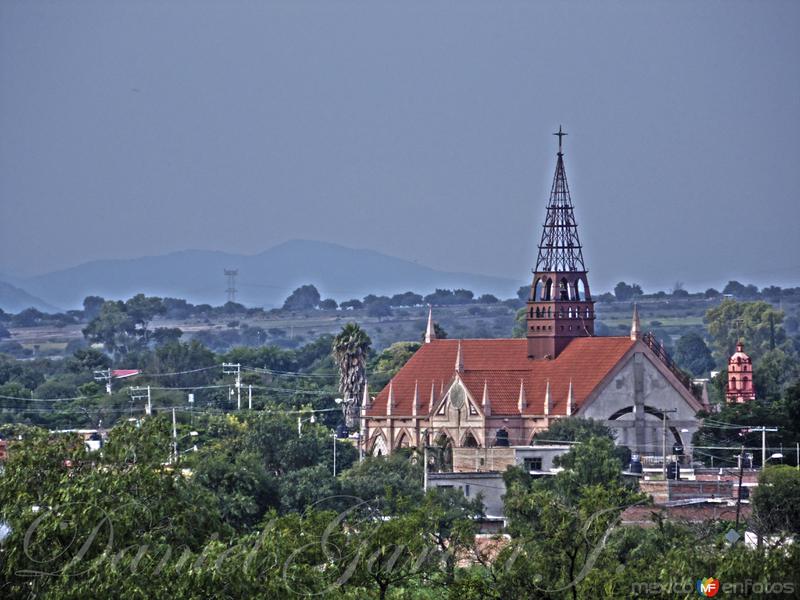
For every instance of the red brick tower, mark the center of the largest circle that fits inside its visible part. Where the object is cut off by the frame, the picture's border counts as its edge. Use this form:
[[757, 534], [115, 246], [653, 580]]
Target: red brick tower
[[740, 377], [560, 306]]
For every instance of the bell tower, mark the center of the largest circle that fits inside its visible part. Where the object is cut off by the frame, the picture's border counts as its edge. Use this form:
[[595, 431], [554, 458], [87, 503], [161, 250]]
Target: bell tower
[[560, 306]]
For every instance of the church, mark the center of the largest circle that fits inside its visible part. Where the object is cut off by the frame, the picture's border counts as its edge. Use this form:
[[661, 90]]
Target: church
[[495, 393]]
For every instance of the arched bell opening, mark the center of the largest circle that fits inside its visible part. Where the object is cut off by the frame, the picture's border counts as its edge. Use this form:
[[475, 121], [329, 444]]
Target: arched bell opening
[[538, 290], [548, 289], [563, 291]]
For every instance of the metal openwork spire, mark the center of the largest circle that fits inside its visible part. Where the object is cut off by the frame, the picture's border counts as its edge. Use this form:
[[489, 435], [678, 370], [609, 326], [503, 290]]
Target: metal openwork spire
[[560, 248]]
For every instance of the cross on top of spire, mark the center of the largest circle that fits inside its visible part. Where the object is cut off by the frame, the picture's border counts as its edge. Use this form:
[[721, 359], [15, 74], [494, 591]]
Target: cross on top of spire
[[560, 135]]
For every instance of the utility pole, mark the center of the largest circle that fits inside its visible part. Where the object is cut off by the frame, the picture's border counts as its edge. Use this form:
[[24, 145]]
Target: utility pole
[[361, 433], [141, 393], [104, 375], [739, 496], [250, 397], [664, 412], [174, 438], [424, 461], [235, 369], [763, 431], [334, 454]]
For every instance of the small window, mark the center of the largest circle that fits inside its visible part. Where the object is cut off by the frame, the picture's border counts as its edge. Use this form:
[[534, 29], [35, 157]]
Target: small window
[[533, 464]]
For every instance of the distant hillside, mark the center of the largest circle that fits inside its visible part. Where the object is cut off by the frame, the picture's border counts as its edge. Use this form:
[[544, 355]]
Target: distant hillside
[[265, 279], [14, 300]]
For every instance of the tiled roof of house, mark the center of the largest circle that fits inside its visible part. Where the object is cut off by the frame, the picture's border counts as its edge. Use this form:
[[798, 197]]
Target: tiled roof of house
[[503, 365]]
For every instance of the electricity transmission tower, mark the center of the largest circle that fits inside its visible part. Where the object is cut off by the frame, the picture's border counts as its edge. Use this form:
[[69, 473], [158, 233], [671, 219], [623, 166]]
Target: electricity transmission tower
[[230, 275]]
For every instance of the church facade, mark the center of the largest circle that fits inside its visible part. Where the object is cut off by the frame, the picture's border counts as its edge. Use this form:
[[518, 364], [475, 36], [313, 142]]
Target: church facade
[[485, 393]]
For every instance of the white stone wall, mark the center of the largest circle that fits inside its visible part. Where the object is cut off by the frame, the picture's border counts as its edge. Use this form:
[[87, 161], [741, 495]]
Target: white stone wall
[[628, 400]]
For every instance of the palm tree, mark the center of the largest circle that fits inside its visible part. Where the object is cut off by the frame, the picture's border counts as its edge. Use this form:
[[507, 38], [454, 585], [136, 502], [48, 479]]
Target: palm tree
[[350, 349]]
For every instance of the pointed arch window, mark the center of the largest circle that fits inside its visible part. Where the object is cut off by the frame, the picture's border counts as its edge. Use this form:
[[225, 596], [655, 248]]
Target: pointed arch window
[[501, 438], [470, 441]]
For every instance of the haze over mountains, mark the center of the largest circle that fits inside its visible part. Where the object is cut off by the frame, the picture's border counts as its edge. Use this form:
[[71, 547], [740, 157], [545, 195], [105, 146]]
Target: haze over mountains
[[14, 300], [265, 279]]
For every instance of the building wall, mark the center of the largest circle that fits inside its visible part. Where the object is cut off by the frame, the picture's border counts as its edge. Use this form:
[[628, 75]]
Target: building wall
[[480, 470], [641, 384], [499, 458], [489, 485]]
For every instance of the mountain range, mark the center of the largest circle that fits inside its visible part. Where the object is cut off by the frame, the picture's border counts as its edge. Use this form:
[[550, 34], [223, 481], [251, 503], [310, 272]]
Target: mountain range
[[264, 279], [14, 300]]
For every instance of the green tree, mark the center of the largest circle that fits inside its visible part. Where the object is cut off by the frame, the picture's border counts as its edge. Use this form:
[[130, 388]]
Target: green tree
[[739, 290], [192, 358], [758, 324], [164, 335], [142, 310], [384, 481], [775, 370], [92, 306], [87, 360], [775, 501], [561, 524], [692, 354], [406, 299], [392, 359], [306, 297], [328, 304], [244, 488], [574, 429], [62, 504], [113, 327], [623, 291], [379, 308]]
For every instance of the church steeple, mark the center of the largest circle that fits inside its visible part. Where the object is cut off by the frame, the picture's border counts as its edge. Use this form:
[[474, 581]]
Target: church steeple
[[560, 306]]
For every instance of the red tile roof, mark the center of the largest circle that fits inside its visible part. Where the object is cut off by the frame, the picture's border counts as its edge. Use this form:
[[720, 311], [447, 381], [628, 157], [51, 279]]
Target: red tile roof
[[502, 364]]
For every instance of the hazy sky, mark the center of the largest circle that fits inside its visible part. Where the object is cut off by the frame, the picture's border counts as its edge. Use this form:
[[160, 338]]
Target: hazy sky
[[419, 129]]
